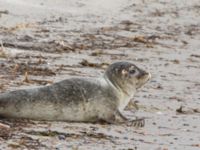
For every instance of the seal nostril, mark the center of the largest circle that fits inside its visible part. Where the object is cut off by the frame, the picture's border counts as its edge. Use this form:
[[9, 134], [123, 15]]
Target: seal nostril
[[143, 73]]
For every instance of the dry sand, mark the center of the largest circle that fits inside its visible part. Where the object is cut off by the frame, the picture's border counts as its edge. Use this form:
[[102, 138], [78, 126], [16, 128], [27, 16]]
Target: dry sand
[[52, 40]]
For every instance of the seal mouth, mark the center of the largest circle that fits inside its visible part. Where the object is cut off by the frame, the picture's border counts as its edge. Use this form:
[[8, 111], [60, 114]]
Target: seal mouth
[[143, 78], [147, 76], [144, 74]]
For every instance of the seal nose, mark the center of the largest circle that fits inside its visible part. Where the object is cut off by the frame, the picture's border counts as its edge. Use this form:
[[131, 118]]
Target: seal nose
[[143, 73]]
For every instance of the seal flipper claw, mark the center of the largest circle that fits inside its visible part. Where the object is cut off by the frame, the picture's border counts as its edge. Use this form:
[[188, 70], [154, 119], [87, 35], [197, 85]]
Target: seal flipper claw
[[138, 122]]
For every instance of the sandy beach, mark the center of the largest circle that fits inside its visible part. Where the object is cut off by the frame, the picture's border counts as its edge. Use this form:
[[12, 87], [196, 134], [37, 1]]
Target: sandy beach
[[45, 41]]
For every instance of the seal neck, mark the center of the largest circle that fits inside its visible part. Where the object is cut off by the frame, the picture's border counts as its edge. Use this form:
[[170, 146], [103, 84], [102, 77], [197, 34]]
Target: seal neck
[[117, 87]]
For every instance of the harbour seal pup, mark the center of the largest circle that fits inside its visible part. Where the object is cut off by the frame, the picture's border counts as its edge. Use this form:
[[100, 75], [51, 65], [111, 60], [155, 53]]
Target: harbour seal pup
[[79, 99]]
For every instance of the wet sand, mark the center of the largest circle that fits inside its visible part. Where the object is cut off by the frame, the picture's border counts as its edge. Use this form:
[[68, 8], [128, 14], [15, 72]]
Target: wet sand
[[46, 41]]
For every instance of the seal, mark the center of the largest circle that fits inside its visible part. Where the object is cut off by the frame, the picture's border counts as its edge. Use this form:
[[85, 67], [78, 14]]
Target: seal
[[79, 99]]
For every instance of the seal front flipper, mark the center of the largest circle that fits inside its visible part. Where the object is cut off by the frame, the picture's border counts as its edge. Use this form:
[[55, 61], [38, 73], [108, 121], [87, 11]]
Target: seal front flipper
[[119, 118], [138, 122]]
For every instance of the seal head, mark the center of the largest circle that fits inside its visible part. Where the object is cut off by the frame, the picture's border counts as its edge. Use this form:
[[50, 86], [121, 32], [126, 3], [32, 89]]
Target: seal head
[[126, 76]]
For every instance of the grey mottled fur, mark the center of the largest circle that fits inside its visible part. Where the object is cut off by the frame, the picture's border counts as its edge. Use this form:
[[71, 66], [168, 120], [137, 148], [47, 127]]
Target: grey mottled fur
[[78, 99]]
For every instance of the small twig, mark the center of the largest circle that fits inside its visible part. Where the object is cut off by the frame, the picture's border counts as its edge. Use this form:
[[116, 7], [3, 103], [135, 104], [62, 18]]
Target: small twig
[[26, 77]]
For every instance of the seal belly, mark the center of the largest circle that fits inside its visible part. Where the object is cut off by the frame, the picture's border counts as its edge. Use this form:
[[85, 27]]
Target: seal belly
[[82, 112], [43, 104], [27, 104], [21, 108]]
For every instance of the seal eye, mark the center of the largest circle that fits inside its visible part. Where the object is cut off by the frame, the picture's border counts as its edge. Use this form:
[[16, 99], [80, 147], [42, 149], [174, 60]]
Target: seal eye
[[132, 71]]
